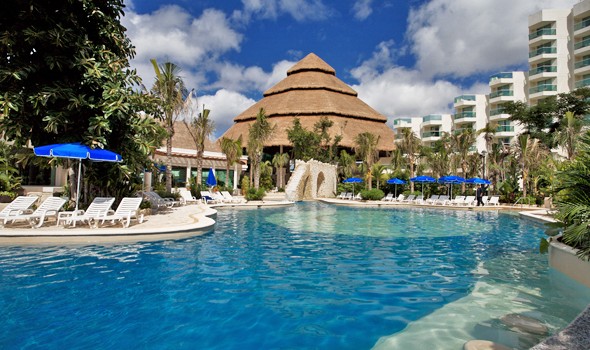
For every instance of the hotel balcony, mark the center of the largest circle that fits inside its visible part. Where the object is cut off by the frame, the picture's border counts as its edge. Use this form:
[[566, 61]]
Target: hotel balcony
[[501, 95], [582, 27], [582, 67], [542, 90], [464, 117], [464, 100], [504, 131], [582, 47], [430, 136], [501, 79], [542, 54], [542, 72], [498, 114], [582, 83], [432, 119], [460, 130], [541, 35]]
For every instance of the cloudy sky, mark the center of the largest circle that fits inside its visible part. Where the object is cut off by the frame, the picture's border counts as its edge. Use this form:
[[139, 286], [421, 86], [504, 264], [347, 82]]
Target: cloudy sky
[[405, 58]]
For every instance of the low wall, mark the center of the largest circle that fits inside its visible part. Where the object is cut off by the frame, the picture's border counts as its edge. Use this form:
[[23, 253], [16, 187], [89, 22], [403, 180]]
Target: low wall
[[563, 259]]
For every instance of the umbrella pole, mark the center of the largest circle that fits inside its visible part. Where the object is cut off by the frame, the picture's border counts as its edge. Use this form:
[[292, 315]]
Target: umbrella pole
[[78, 186]]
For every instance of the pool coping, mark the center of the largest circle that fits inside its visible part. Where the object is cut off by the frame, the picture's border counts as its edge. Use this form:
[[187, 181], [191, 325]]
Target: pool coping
[[383, 204]]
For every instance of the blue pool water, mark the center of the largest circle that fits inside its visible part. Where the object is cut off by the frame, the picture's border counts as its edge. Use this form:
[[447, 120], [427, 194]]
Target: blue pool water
[[311, 276]]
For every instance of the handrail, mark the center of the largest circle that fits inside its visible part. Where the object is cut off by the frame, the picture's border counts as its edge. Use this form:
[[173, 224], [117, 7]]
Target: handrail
[[521, 204]]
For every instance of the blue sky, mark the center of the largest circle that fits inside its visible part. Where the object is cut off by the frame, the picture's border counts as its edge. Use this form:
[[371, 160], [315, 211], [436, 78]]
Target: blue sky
[[404, 58]]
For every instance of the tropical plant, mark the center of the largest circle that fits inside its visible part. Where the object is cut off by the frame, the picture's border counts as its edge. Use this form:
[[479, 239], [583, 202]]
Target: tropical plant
[[366, 149], [379, 171], [572, 199], [528, 153], [279, 160], [373, 194], [9, 179], [567, 135], [410, 145], [266, 174], [462, 143], [233, 151], [346, 164], [259, 133], [316, 144], [170, 91], [200, 129]]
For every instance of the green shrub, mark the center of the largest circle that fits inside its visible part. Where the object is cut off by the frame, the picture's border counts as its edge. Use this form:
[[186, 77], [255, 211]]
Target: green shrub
[[255, 195], [245, 185], [374, 194], [164, 194], [145, 204]]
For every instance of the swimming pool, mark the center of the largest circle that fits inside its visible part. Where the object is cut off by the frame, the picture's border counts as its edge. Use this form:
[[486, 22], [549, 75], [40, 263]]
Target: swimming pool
[[304, 277]]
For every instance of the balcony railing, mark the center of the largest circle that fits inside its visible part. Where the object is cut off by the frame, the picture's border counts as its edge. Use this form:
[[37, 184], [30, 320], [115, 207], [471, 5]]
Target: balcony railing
[[468, 114], [543, 69], [581, 44], [501, 93], [464, 98], [497, 111], [432, 117], [583, 83], [582, 63], [542, 50], [583, 24], [542, 31], [505, 128], [402, 120], [543, 87], [460, 130], [430, 134], [504, 75]]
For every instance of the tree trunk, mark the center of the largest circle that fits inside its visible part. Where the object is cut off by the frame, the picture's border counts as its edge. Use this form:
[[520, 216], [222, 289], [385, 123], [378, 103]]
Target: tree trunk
[[227, 175], [199, 169], [169, 164], [257, 173]]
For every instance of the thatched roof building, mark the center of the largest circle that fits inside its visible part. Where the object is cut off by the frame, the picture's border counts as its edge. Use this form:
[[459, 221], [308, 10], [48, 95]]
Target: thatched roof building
[[311, 91]]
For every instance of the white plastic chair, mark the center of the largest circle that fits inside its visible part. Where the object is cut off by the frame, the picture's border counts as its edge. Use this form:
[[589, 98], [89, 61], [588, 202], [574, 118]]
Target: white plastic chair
[[99, 207], [127, 209], [19, 205], [49, 208]]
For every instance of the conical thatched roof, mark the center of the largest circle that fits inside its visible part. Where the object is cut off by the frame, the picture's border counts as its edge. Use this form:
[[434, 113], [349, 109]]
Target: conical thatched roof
[[310, 91]]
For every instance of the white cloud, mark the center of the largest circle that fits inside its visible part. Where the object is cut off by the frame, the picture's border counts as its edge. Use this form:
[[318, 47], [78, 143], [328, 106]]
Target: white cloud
[[462, 37], [239, 78], [300, 10], [362, 9]]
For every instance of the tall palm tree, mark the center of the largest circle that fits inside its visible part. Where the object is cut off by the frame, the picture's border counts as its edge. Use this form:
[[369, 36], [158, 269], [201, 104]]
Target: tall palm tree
[[462, 143], [366, 149], [378, 170], [233, 151], [488, 133], [169, 90], [528, 152], [200, 129], [258, 133], [567, 137], [279, 161], [346, 164], [410, 146]]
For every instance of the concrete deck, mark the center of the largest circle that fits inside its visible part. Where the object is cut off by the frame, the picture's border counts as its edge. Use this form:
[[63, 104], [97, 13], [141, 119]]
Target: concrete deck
[[185, 221]]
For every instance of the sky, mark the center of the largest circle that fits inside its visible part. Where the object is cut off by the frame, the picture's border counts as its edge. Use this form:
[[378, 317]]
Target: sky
[[405, 58]]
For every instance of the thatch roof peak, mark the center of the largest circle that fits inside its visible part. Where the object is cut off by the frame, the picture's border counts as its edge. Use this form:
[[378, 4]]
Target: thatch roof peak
[[311, 62]]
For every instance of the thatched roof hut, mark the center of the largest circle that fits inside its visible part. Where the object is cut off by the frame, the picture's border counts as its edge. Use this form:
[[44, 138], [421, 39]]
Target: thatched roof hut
[[311, 91]]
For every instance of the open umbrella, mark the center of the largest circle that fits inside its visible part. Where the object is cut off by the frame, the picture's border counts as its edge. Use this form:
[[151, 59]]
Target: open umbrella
[[395, 181], [422, 179], [478, 181], [80, 152], [211, 181], [451, 179], [352, 180]]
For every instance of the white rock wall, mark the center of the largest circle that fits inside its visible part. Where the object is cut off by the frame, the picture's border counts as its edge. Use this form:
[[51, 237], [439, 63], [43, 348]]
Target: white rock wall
[[311, 180]]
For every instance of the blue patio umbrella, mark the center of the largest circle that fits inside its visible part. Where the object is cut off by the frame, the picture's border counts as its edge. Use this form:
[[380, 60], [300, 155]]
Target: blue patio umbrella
[[211, 181], [451, 179], [478, 181], [80, 152], [395, 181], [422, 179], [352, 180]]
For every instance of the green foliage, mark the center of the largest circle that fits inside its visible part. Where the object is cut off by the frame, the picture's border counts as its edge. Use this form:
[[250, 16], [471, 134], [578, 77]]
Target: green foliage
[[65, 77], [165, 194], [316, 144], [254, 194], [245, 184], [9, 179], [145, 204], [374, 194]]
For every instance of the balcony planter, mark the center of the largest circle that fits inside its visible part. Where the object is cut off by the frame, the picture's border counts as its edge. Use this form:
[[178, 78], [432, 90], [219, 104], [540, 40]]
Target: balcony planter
[[563, 259]]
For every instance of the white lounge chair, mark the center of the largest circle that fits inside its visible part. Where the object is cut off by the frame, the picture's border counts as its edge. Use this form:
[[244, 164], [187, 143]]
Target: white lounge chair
[[20, 205], [458, 200], [127, 209], [494, 200], [341, 195], [432, 199], [419, 199], [227, 197], [186, 196], [388, 198], [348, 195], [99, 207], [400, 198], [357, 197], [469, 200], [442, 200], [410, 199], [50, 207], [209, 198]]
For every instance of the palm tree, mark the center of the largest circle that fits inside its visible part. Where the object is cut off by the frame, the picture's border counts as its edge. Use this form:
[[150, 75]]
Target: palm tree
[[528, 152], [233, 151], [568, 135], [346, 164], [200, 129], [279, 161], [462, 143], [410, 146], [258, 133], [378, 170], [169, 90], [366, 149]]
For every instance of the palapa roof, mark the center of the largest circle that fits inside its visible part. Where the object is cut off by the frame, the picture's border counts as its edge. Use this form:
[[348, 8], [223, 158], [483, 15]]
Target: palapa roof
[[310, 91]]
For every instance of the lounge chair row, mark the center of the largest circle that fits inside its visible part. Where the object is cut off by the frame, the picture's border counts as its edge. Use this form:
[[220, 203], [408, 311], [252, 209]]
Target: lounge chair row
[[349, 196], [442, 200], [98, 211], [220, 197]]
